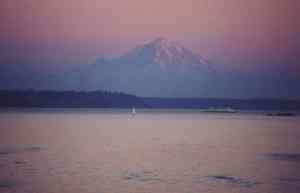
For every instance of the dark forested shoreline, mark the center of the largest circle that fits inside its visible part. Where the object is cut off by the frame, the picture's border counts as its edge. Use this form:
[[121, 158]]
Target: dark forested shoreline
[[108, 99], [68, 99]]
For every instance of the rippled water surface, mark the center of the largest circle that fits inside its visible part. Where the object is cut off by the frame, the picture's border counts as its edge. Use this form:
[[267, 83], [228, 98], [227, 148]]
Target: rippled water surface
[[76, 151]]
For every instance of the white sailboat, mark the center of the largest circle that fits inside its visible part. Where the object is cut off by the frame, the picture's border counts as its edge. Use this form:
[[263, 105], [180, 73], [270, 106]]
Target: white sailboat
[[133, 112]]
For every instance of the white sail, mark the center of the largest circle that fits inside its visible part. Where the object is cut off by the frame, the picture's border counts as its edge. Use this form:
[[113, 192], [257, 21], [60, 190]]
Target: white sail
[[133, 111]]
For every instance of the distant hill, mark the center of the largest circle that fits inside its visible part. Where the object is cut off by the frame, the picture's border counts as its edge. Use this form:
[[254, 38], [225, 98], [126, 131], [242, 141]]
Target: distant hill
[[69, 99], [215, 104]]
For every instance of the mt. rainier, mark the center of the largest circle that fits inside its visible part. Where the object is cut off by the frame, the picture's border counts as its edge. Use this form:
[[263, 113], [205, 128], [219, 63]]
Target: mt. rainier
[[166, 54], [156, 68]]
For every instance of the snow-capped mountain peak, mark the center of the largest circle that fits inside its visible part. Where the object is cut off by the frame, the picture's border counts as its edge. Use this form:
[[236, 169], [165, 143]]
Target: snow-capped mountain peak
[[167, 54]]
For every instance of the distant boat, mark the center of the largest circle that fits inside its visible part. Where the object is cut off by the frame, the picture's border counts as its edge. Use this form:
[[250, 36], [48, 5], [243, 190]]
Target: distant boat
[[220, 110], [133, 112]]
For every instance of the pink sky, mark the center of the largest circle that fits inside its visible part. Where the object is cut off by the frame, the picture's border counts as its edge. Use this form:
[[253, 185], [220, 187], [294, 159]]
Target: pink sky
[[227, 32]]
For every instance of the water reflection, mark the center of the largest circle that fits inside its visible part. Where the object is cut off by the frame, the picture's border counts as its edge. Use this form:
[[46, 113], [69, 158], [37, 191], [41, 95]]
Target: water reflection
[[7, 184], [161, 153], [13, 149], [141, 176], [228, 180], [294, 157]]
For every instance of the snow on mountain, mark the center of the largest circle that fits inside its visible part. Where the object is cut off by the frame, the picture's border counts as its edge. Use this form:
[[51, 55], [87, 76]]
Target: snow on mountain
[[167, 54]]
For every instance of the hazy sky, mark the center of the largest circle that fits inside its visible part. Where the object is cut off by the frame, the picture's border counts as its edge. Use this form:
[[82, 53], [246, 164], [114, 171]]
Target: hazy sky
[[247, 33]]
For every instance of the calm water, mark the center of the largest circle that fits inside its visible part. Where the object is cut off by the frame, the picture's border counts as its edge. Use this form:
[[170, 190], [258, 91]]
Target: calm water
[[82, 151]]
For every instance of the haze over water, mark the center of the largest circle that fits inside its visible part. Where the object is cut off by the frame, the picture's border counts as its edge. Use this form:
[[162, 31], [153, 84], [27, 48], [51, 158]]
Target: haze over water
[[159, 151]]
